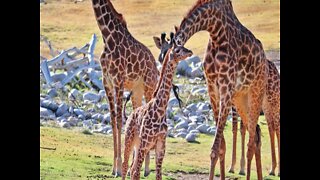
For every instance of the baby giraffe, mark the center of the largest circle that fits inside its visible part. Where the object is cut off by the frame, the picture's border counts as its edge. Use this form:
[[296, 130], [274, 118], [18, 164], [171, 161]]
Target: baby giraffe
[[146, 127]]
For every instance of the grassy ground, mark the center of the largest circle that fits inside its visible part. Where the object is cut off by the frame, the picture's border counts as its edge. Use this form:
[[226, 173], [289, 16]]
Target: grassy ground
[[83, 156], [68, 24]]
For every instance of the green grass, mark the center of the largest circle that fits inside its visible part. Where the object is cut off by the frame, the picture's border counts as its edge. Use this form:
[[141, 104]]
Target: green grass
[[68, 24], [81, 156]]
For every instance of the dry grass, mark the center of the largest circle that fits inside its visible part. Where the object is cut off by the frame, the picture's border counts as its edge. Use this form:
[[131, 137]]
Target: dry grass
[[68, 24]]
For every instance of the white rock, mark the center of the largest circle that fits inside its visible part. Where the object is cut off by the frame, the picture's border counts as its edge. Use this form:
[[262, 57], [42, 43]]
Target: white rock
[[52, 93], [92, 97], [203, 128], [58, 77], [182, 124], [46, 113], [62, 109], [191, 137], [193, 59], [181, 134]]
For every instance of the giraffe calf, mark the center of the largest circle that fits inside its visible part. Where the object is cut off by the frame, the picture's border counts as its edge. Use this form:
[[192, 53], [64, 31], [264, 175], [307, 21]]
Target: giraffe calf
[[146, 127]]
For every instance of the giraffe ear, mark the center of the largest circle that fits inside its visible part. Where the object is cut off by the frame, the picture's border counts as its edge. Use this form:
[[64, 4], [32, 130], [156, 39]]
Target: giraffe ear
[[157, 41], [176, 28]]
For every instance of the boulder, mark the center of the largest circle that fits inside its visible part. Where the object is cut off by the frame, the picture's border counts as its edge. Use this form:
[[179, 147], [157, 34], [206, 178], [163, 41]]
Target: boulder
[[199, 91], [195, 131], [203, 107], [81, 117], [181, 130], [182, 124], [91, 96], [46, 113], [64, 124], [181, 134], [104, 107], [102, 129], [58, 77], [106, 118], [52, 93], [193, 125], [173, 102], [62, 109], [193, 59], [73, 121], [203, 128], [191, 137], [192, 107], [97, 116], [182, 67], [102, 93], [78, 112], [49, 104], [74, 94]]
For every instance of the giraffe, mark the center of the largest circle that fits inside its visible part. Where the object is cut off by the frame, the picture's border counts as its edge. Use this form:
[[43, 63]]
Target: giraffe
[[126, 64], [235, 69], [146, 127], [271, 109]]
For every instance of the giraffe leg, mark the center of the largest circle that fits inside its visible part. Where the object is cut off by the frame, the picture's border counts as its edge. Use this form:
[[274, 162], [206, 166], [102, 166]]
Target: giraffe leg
[[146, 165], [251, 149], [222, 154], [133, 154], [109, 94], [243, 139], [277, 127], [138, 160], [258, 151], [234, 142], [215, 107], [255, 104], [268, 112], [137, 102], [128, 146], [273, 153], [224, 109], [119, 98], [148, 95], [241, 102], [160, 152]]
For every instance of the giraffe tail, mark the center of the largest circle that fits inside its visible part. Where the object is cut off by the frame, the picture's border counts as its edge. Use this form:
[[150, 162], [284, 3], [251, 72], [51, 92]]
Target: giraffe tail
[[175, 89], [124, 116], [258, 135]]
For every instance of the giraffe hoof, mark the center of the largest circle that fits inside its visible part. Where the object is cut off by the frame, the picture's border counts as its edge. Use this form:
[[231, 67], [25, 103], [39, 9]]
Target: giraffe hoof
[[231, 171], [279, 174], [272, 173], [242, 173], [128, 174], [118, 174], [146, 173]]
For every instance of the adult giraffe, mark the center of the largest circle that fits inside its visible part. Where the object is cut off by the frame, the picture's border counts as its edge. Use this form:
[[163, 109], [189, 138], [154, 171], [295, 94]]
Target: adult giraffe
[[236, 71], [271, 109], [126, 64]]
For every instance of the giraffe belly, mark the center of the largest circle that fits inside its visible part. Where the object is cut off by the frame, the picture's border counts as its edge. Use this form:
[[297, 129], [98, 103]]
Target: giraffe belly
[[130, 84]]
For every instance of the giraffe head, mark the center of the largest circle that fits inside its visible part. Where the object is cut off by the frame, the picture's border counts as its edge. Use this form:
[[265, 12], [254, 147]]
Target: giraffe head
[[177, 53], [163, 44]]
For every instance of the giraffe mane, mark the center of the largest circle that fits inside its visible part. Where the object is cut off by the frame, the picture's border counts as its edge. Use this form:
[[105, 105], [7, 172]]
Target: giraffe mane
[[164, 67], [195, 6], [117, 15]]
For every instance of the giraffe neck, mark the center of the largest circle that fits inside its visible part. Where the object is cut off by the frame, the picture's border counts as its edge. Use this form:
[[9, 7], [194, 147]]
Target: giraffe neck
[[207, 16], [108, 19], [162, 92]]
